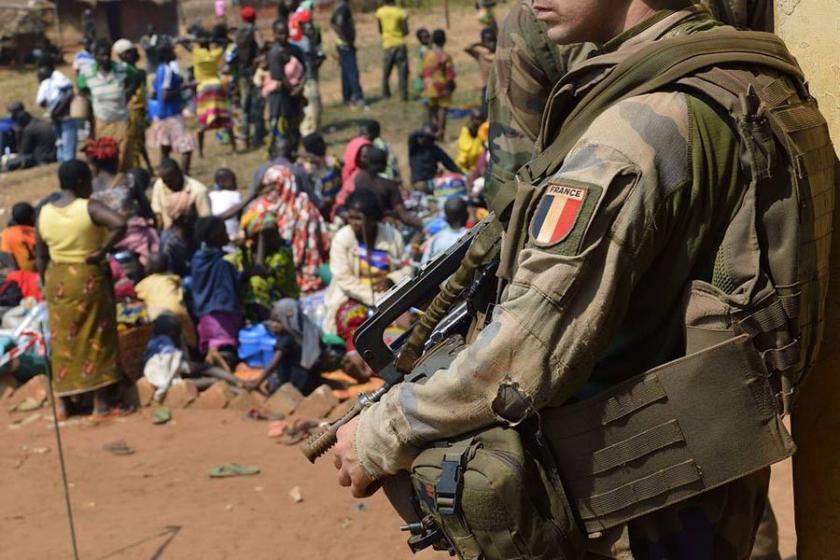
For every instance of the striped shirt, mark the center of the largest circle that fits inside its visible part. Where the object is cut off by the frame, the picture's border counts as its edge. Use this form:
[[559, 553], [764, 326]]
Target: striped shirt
[[108, 91]]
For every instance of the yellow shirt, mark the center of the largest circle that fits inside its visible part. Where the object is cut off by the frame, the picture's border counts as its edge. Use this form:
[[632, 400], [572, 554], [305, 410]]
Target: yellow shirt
[[160, 192], [162, 291], [469, 149], [69, 232], [206, 63], [391, 18]]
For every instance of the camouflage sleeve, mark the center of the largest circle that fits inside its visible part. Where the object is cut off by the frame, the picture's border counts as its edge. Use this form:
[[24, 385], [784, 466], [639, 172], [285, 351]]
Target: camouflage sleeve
[[526, 67], [595, 231]]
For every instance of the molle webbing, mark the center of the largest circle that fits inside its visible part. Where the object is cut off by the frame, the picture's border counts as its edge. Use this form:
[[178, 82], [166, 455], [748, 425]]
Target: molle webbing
[[667, 435], [656, 66]]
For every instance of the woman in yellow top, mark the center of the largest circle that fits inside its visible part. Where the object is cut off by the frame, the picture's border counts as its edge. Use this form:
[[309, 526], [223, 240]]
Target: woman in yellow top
[[212, 104], [471, 141], [74, 237]]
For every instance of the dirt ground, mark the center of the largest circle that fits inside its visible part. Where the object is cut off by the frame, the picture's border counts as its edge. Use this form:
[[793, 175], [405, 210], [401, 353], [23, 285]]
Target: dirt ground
[[159, 503]]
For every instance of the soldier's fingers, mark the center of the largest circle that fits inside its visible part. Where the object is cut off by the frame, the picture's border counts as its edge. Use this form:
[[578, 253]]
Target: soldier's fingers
[[337, 462], [344, 478], [366, 489]]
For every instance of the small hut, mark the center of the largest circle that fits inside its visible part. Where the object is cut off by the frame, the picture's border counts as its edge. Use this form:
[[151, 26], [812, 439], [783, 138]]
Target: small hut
[[116, 19], [23, 26]]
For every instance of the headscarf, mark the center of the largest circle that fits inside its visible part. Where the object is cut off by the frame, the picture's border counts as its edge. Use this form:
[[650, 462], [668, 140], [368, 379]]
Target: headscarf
[[288, 313], [178, 203], [102, 149], [298, 220], [351, 157], [248, 14]]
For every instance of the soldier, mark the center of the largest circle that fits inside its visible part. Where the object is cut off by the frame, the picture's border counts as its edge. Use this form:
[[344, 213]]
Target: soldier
[[645, 209], [528, 65]]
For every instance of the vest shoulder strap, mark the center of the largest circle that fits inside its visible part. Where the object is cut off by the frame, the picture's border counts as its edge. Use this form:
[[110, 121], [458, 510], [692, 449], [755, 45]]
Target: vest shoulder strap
[[658, 65]]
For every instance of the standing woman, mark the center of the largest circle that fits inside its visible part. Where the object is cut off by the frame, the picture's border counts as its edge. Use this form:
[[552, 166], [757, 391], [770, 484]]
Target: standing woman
[[213, 106], [74, 237]]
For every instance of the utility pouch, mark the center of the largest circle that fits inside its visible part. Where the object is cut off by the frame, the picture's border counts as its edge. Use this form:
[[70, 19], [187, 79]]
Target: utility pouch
[[668, 434], [491, 497]]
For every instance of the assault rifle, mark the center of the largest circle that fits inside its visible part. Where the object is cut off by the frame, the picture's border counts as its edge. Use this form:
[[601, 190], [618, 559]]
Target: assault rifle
[[455, 269]]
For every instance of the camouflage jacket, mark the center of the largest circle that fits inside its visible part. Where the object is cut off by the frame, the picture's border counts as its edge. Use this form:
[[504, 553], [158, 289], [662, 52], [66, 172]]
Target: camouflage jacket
[[634, 214], [528, 65]]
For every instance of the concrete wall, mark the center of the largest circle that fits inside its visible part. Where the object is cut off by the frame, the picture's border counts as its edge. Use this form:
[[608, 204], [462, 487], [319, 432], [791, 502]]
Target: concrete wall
[[811, 29]]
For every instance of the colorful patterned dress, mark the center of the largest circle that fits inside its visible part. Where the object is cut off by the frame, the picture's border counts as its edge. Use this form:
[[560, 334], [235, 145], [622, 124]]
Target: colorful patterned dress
[[213, 106]]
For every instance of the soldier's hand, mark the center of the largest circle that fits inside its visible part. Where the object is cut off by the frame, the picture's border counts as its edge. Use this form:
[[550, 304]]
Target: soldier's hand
[[350, 471]]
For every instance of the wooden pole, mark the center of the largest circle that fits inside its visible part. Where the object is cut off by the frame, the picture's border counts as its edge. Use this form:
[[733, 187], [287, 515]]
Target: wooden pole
[[446, 11]]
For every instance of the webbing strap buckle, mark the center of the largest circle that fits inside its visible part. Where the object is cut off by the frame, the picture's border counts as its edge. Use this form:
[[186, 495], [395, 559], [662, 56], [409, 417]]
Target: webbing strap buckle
[[451, 482]]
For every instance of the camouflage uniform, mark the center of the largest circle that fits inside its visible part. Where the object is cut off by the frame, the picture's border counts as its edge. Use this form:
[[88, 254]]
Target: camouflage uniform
[[527, 67], [657, 177]]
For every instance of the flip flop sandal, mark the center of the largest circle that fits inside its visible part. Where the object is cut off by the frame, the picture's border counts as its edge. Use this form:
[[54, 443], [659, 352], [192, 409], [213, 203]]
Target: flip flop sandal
[[161, 415], [118, 448], [233, 469]]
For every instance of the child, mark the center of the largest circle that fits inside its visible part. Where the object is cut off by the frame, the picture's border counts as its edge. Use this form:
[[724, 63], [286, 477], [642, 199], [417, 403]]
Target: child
[[18, 239], [166, 362], [425, 40], [162, 292], [484, 54], [224, 196], [297, 351], [439, 81], [267, 266], [471, 141], [215, 294]]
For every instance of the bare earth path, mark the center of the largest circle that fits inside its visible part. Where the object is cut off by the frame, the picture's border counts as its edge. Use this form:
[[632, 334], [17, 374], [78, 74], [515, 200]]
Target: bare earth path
[[159, 503]]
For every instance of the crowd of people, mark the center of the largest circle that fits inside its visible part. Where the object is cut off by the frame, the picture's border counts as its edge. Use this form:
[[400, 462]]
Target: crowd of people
[[301, 255]]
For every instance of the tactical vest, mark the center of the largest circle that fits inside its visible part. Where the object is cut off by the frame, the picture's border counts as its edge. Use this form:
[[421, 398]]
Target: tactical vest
[[752, 334]]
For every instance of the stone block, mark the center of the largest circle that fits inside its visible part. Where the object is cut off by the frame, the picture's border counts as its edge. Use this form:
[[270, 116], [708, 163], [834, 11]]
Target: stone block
[[284, 400], [181, 395], [145, 392], [216, 397], [317, 404], [244, 402], [35, 389]]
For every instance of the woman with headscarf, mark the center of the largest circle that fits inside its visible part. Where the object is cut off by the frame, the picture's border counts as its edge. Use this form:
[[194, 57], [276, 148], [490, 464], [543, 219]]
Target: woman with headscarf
[[74, 236], [297, 351], [298, 220]]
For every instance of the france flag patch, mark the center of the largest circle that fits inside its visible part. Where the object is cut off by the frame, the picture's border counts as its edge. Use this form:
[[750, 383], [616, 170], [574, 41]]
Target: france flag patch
[[557, 213]]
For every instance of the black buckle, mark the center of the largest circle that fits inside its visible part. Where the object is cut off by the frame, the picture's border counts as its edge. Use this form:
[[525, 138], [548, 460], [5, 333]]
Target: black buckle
[[449, 485], [424, 534]]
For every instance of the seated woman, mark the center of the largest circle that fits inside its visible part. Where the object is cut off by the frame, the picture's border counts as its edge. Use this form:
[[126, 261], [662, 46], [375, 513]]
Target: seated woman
[[298, 220], [215, 294], [268, 268], [297, 352], [366, 258]]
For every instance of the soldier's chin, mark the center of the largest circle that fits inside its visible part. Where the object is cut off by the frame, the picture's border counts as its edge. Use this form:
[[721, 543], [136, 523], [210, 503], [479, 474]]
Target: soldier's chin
[[561, 34]]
